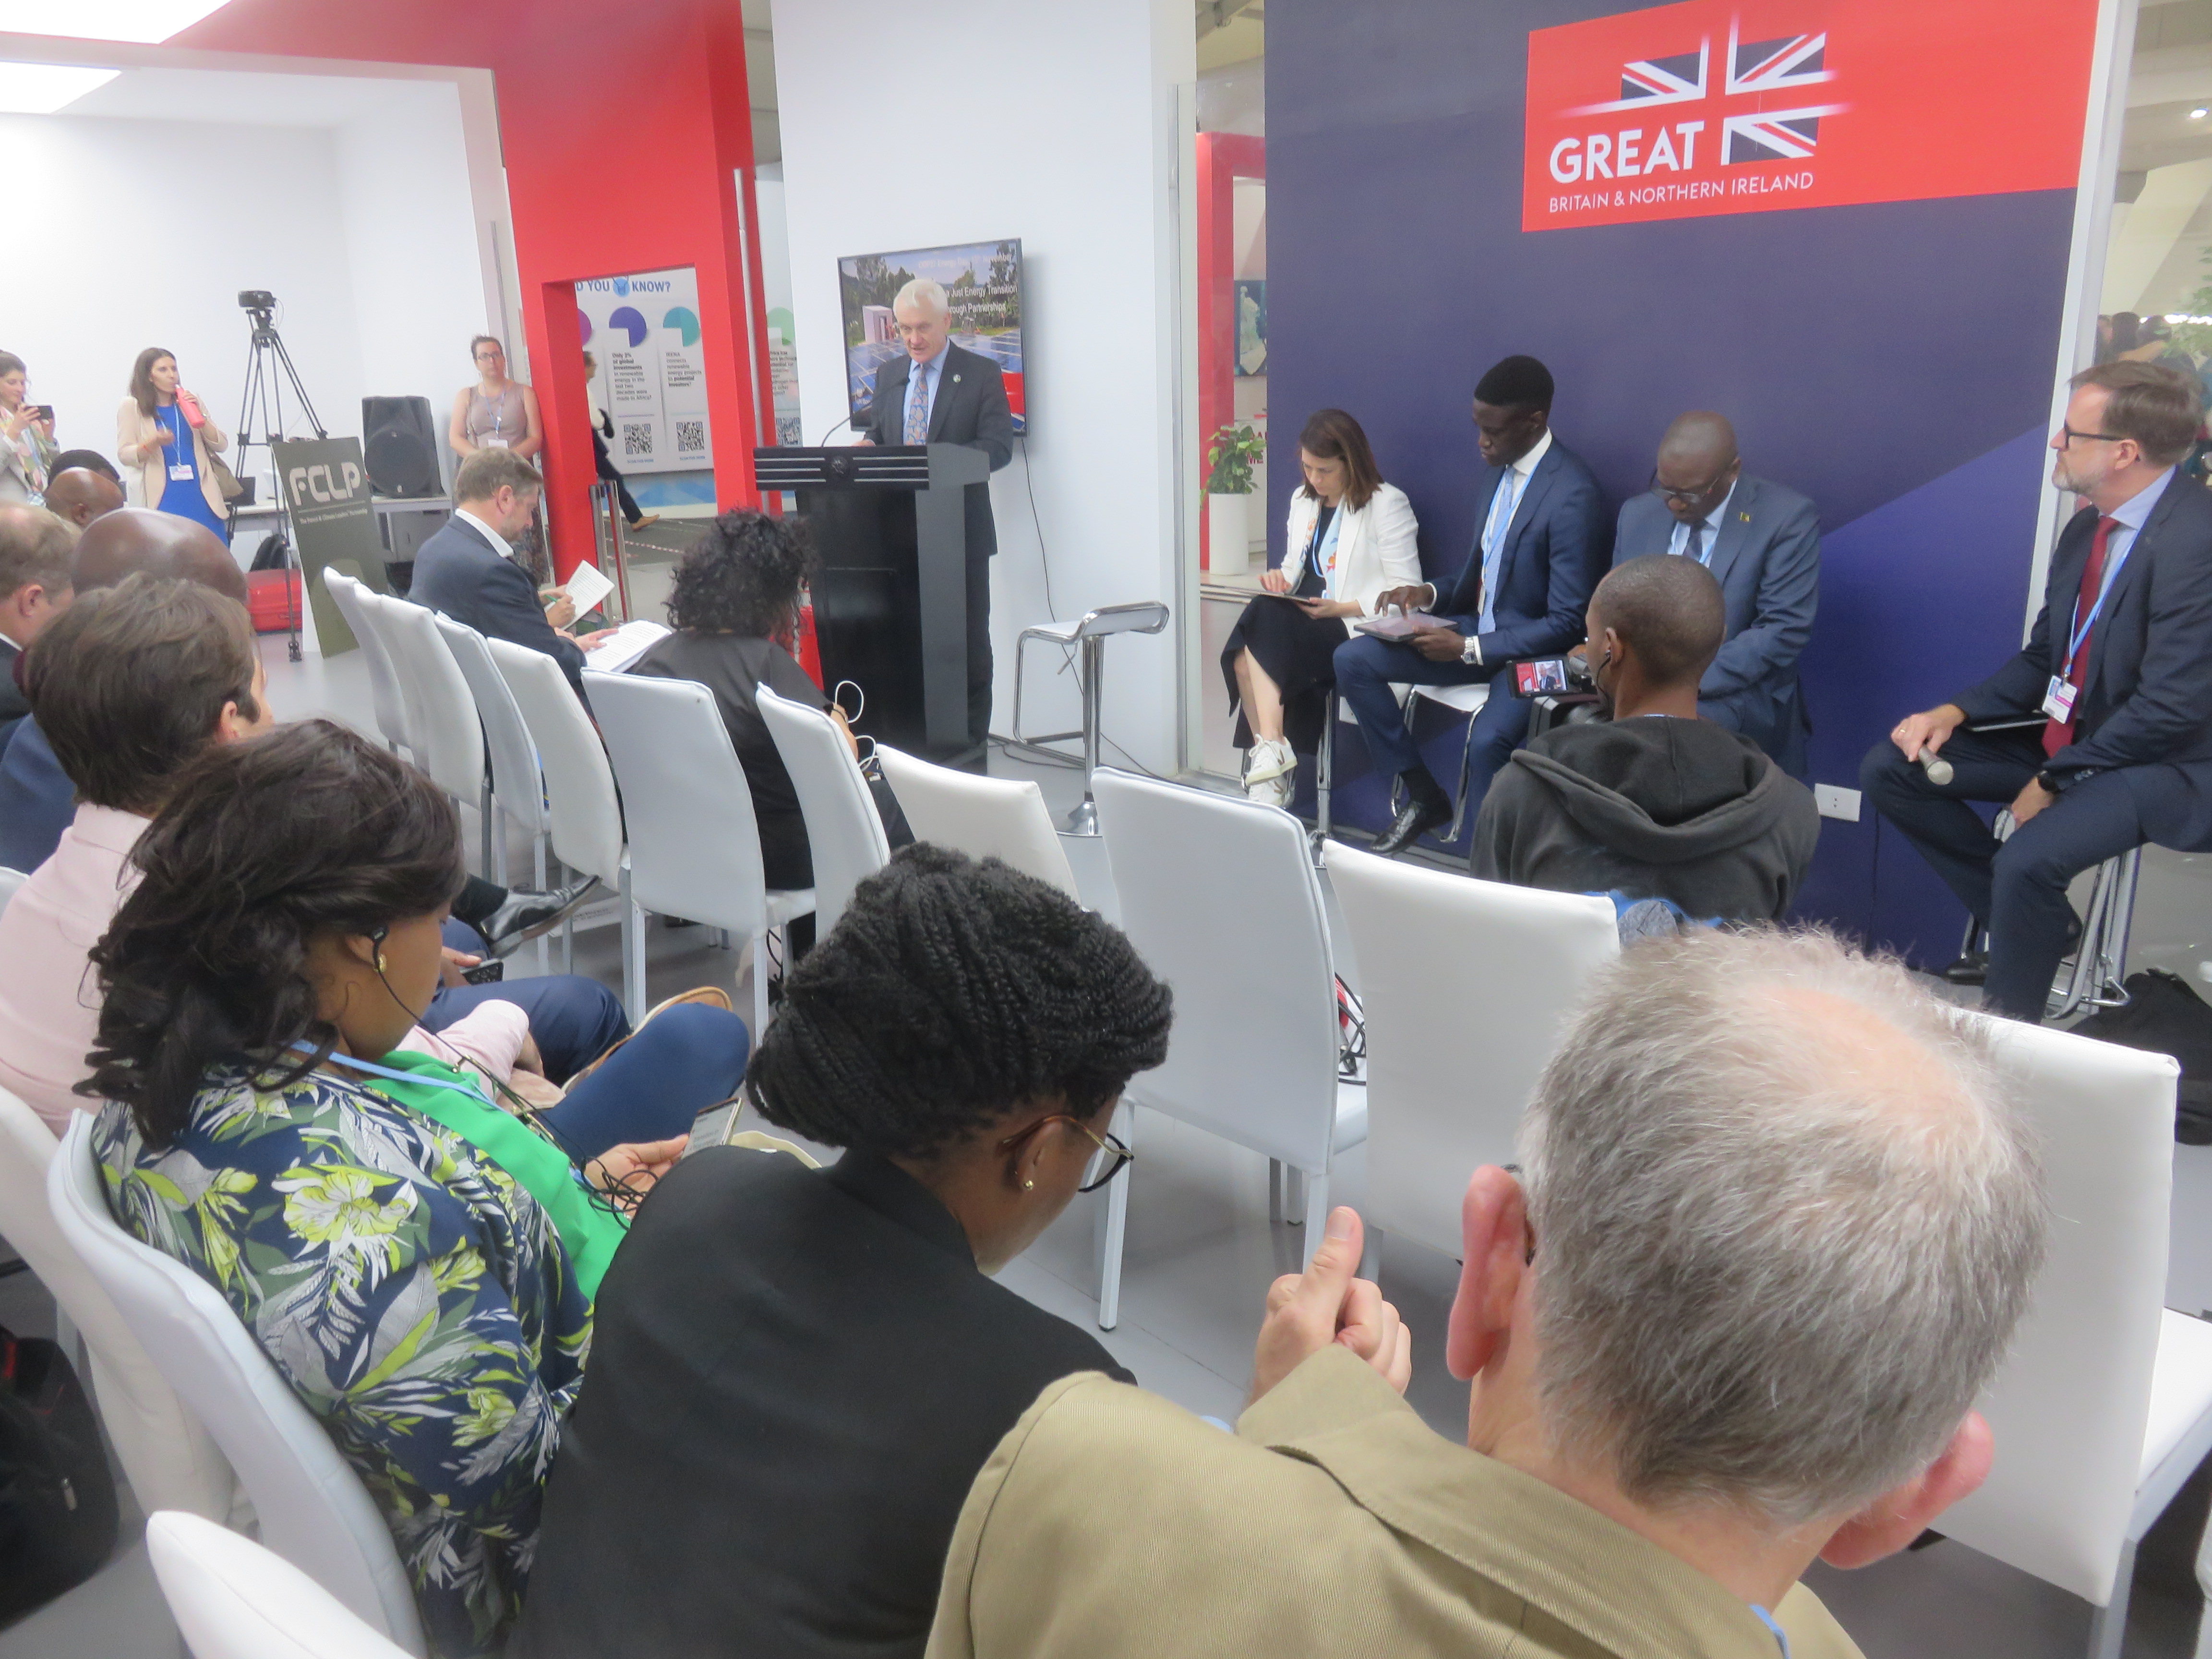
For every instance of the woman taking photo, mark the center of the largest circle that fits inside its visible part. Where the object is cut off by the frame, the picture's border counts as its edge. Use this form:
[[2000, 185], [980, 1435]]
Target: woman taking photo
[[733, 602], [163, 432], [1350, 538], [26, 436], [419, 1262]]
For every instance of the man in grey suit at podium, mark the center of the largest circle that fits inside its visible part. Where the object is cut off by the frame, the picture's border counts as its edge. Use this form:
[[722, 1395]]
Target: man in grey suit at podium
[[1762, 541], [939, 393]]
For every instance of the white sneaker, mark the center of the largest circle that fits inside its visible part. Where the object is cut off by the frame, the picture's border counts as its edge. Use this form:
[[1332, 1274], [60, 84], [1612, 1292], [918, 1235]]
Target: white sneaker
[[1271, 792], [1270, 757]]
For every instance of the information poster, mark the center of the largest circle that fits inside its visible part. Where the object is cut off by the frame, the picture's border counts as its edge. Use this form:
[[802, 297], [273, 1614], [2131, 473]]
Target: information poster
[[651, 377], [326, 493]]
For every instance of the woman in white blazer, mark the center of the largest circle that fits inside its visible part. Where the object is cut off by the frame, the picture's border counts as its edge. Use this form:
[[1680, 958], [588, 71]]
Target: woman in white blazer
[[1351, 539], [164, 439]]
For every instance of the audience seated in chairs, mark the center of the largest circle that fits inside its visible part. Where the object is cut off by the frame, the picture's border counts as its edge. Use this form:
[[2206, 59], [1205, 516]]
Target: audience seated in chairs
[[1654, 802], [1351, 539], [797, 1373], [35, 545], [418, 1261], [1775, 1223], [78, 495], [134, 682], [734, 597]]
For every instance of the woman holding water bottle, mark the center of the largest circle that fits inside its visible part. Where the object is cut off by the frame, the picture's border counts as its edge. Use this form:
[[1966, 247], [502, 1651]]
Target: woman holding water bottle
[[497, 413], [162, 431]]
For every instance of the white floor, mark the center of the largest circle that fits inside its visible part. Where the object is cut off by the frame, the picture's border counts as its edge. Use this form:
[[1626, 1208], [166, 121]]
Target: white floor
[[1200, 1254]]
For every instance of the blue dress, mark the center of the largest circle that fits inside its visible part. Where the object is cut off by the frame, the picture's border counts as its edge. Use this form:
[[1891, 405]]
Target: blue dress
[[184, 495]]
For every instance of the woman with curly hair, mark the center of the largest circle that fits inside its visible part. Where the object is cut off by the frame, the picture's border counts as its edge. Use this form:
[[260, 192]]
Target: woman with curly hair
[[734, 606]]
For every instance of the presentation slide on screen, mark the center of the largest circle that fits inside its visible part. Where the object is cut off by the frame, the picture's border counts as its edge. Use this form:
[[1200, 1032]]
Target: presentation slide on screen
[[652, 379], [982, 279]]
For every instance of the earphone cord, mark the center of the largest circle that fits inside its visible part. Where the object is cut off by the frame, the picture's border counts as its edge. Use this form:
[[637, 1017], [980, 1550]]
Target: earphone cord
[[612, 1192]]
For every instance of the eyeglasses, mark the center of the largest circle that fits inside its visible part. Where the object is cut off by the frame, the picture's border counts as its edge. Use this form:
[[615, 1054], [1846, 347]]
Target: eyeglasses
[[1109, 1146], [1688, 495], [2095, 437]]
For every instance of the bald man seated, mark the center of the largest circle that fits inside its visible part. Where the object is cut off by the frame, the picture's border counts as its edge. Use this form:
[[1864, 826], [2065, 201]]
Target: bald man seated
[[1762, 543], [78, 495], [1652, 801], [34, 585]]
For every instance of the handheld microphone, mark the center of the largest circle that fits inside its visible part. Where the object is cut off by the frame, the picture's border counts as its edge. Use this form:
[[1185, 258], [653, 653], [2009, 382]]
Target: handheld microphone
[[1937, 768]]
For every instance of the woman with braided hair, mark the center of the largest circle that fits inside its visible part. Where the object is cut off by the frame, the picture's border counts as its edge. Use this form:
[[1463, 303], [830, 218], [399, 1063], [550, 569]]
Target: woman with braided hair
[[797, 1373]]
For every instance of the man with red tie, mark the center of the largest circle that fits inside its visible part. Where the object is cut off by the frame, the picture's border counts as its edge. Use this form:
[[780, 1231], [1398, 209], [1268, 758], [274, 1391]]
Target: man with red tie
[[2106, 714]]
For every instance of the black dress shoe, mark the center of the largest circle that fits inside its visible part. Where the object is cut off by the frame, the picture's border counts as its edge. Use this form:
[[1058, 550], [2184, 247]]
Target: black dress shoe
[[1969, 970], [527, 914], [1414, 820]]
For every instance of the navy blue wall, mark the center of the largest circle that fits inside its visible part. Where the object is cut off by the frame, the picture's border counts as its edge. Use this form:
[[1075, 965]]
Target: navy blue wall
[[1892, 361]]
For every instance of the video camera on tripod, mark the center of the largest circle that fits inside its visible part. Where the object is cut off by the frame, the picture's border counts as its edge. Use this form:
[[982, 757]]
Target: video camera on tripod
[[269, 370]]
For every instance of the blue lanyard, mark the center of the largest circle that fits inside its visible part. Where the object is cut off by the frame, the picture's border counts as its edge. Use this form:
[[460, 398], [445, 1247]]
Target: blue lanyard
[[2112, 579], [370, 1066]]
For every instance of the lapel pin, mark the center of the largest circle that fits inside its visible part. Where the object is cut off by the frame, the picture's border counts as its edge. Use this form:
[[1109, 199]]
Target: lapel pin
[[1746, 517]]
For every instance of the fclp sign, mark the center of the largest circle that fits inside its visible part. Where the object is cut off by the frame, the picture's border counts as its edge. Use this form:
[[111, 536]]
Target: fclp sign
[[1748, 106]]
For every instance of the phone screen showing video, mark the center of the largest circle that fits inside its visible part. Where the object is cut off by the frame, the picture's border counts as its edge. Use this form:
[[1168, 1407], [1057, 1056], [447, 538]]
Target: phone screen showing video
[[1541, 677]]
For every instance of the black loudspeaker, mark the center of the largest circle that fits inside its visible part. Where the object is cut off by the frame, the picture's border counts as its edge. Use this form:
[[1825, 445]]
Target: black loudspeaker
[[401, 447]]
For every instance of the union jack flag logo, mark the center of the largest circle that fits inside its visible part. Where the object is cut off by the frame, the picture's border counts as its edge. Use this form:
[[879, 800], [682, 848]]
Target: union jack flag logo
[[1751, 70]]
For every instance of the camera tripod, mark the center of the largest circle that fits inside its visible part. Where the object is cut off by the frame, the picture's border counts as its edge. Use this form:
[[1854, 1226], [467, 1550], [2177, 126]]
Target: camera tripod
[[269, 370]]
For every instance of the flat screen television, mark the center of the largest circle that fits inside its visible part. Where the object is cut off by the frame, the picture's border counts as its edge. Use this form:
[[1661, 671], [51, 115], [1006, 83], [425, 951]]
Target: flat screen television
[[982, 279]]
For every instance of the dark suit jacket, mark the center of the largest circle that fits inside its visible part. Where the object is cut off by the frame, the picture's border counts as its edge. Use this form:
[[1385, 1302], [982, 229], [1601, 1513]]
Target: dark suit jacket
[[2147, 705], [1766, 558], [795, 1376], [458, 572], [1554, 553], [13, 705], [38, 802], [971, 408]]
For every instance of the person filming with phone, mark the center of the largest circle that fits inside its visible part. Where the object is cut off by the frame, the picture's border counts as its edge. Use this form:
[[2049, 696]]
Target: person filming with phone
[[162, 431], [2100, 731], [26, 436]]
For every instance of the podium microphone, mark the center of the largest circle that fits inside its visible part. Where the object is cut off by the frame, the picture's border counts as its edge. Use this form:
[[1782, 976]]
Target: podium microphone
[[1937, 768], [848, 420]]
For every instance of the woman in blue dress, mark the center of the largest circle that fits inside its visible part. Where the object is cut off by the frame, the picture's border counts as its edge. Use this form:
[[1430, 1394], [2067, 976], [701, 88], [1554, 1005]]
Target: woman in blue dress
[[164, 434]]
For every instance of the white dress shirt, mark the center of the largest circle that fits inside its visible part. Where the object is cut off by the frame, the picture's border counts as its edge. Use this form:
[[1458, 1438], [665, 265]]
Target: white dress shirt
[[927, 375], [1709, 526], [499, 543]]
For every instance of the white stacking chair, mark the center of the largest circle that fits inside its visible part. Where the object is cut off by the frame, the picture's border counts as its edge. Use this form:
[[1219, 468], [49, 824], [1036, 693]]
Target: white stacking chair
[[1466, 986], [232, 1599], [983, 817], [583, 813], [844, 832], [694, 845], [442, 712], [518, 785], [1215, 890], [384, 694], [2103, 1407], [312, 1507], [167, 1456]]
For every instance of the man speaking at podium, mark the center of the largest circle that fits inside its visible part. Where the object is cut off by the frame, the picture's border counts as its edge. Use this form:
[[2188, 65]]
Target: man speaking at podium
[[940, 394]]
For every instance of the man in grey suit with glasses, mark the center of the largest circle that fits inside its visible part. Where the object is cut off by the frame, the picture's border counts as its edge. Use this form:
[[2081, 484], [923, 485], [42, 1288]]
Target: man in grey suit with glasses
[[1762, 543]]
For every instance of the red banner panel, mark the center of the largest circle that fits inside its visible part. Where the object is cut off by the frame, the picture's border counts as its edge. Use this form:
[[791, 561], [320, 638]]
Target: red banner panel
[[1748, 106]]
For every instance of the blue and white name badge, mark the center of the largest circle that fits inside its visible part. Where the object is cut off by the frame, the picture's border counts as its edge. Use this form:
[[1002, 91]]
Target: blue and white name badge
[[2058, 701], [179, 471]]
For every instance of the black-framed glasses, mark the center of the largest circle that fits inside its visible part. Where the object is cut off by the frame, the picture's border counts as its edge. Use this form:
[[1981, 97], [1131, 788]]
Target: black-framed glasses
[[2095, 437], [1110, 1147], [1686, 496]]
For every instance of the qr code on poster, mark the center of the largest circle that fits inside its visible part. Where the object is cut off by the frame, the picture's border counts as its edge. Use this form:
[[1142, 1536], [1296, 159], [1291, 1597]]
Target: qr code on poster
[[637, 439], [690, 437]]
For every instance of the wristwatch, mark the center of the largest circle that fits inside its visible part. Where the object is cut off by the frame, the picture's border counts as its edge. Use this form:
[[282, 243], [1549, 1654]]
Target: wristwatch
[[1471, 652]]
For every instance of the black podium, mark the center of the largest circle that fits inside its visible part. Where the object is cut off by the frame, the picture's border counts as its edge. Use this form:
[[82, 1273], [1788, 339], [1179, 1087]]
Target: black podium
[[891, 591]]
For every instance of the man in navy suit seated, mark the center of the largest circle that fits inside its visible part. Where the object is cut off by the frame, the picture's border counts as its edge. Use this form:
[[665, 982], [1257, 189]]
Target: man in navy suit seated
[[1537, 555], [1762, 543], [2107, 709], [467, 570]]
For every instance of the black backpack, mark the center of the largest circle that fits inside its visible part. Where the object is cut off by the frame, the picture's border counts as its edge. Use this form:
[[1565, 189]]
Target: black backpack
[[2166, 1016], [58, 1513]]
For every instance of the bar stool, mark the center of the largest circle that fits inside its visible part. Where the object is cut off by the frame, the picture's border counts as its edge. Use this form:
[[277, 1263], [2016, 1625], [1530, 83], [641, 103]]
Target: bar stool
[[1333, 713], [2095, 976], [1465, 700], [1090, 631]]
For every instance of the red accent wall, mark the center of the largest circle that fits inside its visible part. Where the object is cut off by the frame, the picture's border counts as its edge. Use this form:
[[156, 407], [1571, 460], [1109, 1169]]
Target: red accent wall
[[1223, 159], [620, 127]]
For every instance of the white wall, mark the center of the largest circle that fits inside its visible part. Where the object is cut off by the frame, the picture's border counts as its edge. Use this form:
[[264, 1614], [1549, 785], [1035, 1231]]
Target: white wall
[[131, 234], [410, 238], [1049, 120]]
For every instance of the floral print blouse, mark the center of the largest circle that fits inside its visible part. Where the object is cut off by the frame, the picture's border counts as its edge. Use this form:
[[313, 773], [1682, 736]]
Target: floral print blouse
[[415, 1296]]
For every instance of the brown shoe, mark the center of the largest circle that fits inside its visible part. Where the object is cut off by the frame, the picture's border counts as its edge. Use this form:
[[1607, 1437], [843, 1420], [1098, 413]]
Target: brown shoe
[[649, 519], [711, 996]]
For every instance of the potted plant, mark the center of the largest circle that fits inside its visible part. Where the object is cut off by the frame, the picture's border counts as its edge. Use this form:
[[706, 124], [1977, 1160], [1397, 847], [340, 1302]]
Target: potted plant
[[1228, 498]]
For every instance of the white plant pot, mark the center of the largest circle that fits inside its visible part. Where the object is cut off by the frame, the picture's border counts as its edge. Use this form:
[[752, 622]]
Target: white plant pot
[[1228, 535]]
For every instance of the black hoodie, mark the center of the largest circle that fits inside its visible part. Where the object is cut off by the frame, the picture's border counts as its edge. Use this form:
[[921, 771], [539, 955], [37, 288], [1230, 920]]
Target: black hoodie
[[1654, 807]]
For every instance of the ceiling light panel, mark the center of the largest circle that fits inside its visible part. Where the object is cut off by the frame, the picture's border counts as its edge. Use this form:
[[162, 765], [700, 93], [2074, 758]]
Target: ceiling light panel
[[145, 20], [42, 88]]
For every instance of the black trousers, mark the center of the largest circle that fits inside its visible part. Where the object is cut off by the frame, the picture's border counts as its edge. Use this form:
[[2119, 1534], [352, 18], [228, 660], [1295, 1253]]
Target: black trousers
[[2019, 885], [979, 647], [629, 507]]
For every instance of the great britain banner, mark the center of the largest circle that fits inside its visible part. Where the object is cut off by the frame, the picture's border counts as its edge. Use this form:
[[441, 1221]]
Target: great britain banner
[[1719, 107]]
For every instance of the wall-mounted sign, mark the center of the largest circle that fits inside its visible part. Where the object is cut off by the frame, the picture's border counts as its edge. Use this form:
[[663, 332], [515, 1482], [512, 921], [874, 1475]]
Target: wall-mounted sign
[[326, 492], [652, 379], [1748, 106]]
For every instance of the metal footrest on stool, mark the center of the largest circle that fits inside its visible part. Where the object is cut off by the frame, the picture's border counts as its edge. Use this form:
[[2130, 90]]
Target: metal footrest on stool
[[1090, 633], [2094, 975], [1468, 699]]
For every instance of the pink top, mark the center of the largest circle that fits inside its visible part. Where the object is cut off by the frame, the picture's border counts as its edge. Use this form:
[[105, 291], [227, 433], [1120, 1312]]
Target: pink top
[[50, 1004]]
